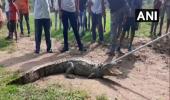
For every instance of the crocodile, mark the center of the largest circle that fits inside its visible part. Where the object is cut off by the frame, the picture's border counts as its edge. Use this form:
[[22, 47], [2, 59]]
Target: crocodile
[[70, 67]]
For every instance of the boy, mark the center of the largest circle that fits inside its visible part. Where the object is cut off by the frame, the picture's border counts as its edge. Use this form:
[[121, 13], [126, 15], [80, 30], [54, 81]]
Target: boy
[[97, 10], [13, 18], [23, 6]]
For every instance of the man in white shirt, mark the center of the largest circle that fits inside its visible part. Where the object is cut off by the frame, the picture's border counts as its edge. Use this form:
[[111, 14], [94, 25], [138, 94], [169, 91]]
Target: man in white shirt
[[42, 20], [69, 13], [97, 9]]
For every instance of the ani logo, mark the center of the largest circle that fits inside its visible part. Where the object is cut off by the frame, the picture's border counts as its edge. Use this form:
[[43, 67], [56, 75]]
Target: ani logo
[[147, 15]]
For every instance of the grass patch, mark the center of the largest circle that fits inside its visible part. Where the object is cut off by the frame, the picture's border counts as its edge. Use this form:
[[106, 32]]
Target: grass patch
[[31, 92], [102, 97]]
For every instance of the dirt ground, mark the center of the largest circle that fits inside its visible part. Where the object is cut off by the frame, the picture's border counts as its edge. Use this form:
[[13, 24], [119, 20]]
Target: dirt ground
[[145, 73]]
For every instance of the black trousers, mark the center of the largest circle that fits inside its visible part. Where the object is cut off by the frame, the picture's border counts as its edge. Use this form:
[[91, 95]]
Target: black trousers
[[26, 16], [41, 24], [72, 18], [12, 28], [97, 23]]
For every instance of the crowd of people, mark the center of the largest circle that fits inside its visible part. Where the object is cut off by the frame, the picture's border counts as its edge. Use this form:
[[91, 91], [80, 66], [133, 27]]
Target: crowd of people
[[81, 16]]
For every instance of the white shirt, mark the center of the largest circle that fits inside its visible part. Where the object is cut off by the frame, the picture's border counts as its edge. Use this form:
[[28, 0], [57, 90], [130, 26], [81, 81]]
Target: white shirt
[[106, 4], [68, 5], [6, 6], [41, 9], [56, 6], [97, 6]]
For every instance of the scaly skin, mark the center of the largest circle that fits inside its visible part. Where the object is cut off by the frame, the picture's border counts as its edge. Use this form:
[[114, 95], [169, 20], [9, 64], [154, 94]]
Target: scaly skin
[[69, 67]]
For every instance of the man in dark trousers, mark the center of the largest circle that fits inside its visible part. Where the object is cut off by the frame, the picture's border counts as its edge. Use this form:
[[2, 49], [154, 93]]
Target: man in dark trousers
[[42, 21], [23, 6], [82, 16], [130, 24], [69, 10], [118, 8], [97, 10]]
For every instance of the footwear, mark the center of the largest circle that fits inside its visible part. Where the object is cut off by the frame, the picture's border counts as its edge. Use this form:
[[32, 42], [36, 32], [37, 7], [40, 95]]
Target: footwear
[[129, 48], [159, 34], [83, 50], [119, 50], [37, 52], [111, 53], [28, 35], [101, 42], [22, 35], [49, 51], [64, 50], [93, 41]]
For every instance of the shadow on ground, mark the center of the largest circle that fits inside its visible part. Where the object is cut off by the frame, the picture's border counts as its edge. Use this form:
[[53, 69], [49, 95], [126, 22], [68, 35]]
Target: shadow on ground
[[162, 46], [112, 84]]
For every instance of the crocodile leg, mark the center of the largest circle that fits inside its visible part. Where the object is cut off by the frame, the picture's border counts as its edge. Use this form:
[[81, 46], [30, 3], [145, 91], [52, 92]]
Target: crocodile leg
[[69, 71], [91, 76]]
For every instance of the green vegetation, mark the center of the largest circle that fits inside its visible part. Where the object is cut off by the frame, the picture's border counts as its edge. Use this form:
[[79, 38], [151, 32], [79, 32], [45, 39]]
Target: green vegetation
[[31, 92], [102, 97], [53, 92]]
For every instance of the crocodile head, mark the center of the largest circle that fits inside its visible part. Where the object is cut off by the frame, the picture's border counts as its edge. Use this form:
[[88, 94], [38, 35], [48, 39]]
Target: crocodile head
[[109, 70]]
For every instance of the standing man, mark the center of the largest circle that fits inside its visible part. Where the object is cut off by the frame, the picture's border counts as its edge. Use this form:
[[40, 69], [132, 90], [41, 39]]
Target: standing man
[[117, 10], [69, 10], [130, 25], [1, 15], [162, 15], [156, 5], [56, 12], [97, 9], [42, 21], [23, 6], [82, 16], [7, 16], [167, 6]]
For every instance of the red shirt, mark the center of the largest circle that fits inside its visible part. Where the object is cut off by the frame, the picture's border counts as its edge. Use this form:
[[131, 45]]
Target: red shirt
[[23, 6], [13, 10]]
